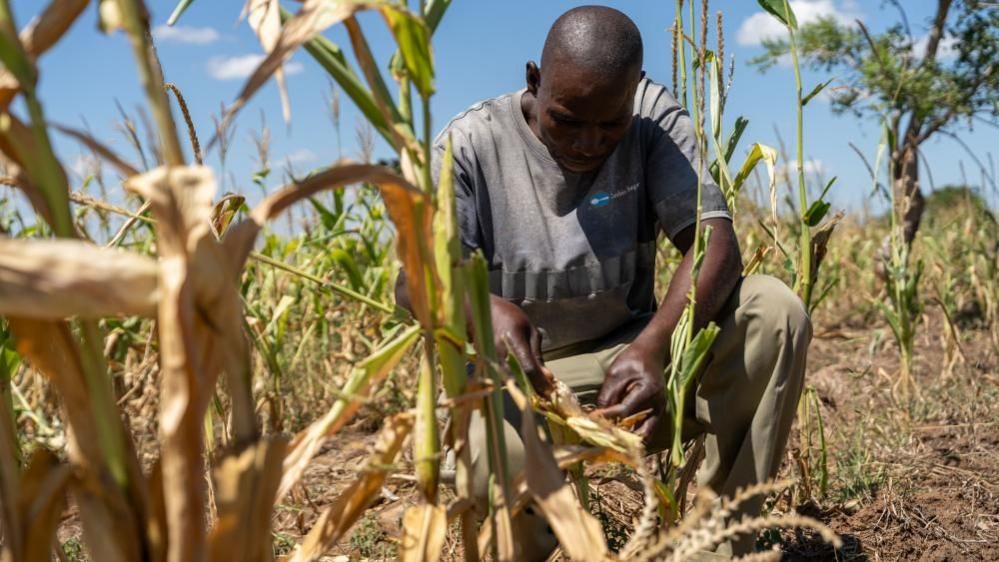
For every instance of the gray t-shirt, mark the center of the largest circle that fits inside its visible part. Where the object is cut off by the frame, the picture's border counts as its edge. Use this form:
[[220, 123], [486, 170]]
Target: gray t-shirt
[[575, 251]]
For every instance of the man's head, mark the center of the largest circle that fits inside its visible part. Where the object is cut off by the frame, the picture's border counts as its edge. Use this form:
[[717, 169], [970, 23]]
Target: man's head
[[585, 88]]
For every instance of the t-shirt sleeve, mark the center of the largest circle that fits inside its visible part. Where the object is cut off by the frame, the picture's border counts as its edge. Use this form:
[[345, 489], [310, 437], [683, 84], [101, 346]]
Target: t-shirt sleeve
[[468, 223], [671, 165]]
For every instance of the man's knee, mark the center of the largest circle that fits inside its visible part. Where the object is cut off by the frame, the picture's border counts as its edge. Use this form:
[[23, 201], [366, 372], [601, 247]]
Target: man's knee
[[772, 304]]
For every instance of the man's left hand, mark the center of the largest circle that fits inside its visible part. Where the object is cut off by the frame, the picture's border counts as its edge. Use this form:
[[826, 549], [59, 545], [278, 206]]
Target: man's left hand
[[633, 384]]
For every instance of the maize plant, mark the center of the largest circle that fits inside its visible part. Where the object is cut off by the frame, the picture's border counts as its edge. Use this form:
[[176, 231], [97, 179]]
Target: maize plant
[[813, 234], [903, 309]]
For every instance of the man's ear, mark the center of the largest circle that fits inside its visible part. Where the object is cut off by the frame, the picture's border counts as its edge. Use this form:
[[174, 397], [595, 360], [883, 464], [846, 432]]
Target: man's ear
[[533, 77]]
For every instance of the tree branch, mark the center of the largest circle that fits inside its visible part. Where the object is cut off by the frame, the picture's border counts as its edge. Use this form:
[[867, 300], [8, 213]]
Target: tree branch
[[936, 32]]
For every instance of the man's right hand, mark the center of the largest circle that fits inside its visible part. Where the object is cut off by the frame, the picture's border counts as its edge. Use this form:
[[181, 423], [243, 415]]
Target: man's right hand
[[514, 333]]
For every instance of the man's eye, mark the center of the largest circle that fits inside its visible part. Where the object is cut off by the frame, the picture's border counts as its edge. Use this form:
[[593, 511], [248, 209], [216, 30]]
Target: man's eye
[[562, 120]]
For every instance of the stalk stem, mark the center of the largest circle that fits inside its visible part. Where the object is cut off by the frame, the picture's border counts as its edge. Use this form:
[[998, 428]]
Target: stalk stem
[[805, 281]]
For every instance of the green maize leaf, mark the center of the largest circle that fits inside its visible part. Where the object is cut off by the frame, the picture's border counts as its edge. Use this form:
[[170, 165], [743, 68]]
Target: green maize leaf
[[426, 438], [434, 11], [12, 53], [478, 293], [815, 91], [413, 37], [825, 189], [519, 375], [823, 467], [757, 152], [446, 248], [331, 58], [696, 353], [714, 90], [733, 139], [279, 311], [769, 156], [667, 499], [728, 148], [447, 253], [178, 10], [477, 276], [344, 259], [814, 215], [379, 88], [326, 217], [780, 9]]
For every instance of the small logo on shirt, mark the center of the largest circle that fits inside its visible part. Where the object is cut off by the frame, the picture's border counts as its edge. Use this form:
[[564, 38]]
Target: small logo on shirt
[[602, 198]]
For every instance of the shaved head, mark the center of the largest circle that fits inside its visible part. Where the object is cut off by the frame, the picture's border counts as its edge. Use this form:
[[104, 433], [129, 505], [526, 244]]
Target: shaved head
[[580, 103], [594, 38]]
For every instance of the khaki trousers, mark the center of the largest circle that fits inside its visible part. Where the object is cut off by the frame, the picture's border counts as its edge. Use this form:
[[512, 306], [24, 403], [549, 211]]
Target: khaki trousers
[[744, 401]]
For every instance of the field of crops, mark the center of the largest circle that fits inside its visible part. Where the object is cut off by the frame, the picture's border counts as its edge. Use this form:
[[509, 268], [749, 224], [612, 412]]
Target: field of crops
[[180, 381]]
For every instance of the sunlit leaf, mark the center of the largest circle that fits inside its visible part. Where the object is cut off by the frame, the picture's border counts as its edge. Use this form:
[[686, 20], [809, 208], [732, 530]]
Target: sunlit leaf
[[246, 483], [579, 533], [815, 91], [333, 61], [265, 18], [780, 9], [178, 10], [413, 37], [424, 527], [426, 439], [55, 279], [312, 19], [435, 12], [200, 330]]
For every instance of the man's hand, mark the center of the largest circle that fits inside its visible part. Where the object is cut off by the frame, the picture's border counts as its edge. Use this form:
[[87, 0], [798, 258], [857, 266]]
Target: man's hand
[[513, 333], [633, 384]]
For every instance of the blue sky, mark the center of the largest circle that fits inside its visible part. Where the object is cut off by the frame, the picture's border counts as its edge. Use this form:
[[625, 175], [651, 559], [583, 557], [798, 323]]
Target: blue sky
[[480, 48]]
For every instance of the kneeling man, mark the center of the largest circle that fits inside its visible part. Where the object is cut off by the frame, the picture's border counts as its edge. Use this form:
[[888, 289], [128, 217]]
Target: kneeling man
[[564, 186]]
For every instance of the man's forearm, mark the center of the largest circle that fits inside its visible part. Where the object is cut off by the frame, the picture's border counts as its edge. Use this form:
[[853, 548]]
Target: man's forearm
[[719, 274]]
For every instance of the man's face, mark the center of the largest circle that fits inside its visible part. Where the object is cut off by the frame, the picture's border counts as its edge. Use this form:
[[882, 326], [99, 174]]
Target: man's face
[[581, 115]]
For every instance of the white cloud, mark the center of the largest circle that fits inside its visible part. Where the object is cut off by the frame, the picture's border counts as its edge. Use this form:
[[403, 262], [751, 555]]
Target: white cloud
[[300, 156], [85, 165], [946, 50], [242, 66], [762, 25], [184, 34]]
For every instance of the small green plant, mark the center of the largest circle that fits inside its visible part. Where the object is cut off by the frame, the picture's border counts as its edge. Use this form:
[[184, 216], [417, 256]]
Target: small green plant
[[857, 475], [813, 455], [903, 309], [371, 541]]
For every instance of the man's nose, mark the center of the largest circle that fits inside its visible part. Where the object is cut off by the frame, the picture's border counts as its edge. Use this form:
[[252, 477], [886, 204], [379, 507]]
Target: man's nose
[[589, 142]]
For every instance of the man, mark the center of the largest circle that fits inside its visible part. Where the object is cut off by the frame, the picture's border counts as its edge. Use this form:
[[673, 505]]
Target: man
[[564, 187]]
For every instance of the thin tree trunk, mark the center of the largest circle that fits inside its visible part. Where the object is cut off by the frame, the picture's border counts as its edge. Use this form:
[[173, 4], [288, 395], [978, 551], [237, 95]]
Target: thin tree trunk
[[905, 183]]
